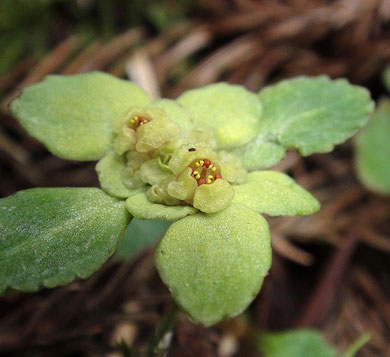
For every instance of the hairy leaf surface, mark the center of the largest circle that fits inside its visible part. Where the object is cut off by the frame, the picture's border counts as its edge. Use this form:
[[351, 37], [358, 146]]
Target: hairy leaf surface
[[52, 236]]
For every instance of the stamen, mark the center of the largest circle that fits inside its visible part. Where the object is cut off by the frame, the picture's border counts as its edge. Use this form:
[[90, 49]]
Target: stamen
[[143, 120], [201, 182], [197, 175], [206, 172], [191, 149]]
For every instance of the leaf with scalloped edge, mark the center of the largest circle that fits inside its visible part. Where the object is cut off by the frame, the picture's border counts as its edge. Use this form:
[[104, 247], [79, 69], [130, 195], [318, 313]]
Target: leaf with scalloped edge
[[275, 194], [372, 158], [52, 236], [309, 114], [73, 115], [230, 111], [214, 264], [140, 207]]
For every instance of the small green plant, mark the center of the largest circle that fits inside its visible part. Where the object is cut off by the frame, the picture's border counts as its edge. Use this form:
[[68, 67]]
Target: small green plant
[[194, 160], [373, 147]]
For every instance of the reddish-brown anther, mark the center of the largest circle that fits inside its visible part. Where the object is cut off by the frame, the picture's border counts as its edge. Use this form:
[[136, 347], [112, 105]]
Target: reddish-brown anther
[[201, 182], [143, 120], [206, 163]]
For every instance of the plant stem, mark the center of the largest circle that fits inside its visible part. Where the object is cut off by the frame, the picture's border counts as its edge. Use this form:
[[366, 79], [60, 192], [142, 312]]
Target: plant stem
[[161, 342]]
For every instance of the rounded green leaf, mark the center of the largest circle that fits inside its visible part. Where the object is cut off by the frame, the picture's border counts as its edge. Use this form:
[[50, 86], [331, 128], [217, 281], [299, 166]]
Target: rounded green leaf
[[313, 114], [73, 115], [275, 194], [230, 111], [300, 342], [111, 170], [51, 236], [373, 151], [214, 264], [140, 207]]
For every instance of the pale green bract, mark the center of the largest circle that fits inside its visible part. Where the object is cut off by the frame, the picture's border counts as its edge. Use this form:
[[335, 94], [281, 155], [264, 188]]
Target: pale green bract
[[214, 264], [311, 115], [140, 207], [275, 194], [231, 112], [111, 172], [73, 115], [373, 151], [50, 236], [186, 161]]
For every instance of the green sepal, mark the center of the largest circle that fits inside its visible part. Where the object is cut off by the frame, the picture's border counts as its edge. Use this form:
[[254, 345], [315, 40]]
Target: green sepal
[[232, 167], [184, 187], [275, 194], [372, 157], [155, 134], [111, 170], [73, 115], [214, 197], [231, 112], [188, 153], [52, 236], [214, 264], [140, 207], [152, 173]]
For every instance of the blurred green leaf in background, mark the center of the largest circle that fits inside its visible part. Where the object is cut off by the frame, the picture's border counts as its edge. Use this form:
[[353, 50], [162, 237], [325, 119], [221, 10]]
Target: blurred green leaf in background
[[139, 235], [302, 342]]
